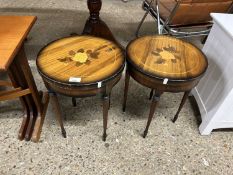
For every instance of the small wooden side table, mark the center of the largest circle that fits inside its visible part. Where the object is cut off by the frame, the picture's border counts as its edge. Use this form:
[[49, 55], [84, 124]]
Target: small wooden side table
[[81, 66], [164, 64], [13, 60]]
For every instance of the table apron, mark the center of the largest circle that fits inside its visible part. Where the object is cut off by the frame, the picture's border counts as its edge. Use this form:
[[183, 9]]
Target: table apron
[[153, 83], [81, 91]]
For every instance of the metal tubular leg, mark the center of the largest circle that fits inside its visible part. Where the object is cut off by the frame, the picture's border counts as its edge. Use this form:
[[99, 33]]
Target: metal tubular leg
[[158, 18], [143, 19]]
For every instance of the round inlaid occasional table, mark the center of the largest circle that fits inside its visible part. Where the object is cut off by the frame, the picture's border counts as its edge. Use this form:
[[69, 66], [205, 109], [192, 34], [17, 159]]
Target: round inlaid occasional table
[[81, 66], [164, 64]]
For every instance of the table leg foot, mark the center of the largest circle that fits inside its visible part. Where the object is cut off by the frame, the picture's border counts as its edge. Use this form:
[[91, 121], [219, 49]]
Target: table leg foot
[[63, 132], [175, 118], [186, 94], [144, 134], [30, 126], [154, 103], [40, 120], [58, 114], [104, 137], [23, 127], [37, 129]]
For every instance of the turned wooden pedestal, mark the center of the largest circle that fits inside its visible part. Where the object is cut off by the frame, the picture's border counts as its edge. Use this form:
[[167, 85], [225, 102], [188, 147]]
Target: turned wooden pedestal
[[81, 66], [94, 25], [164, 64]]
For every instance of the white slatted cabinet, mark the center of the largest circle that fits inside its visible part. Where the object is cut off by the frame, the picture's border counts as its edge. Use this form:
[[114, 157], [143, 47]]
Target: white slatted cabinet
[[214, 93]]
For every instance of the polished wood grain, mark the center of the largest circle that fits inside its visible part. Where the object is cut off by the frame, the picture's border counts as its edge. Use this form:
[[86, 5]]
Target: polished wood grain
[[13, 32], [90, 59], [154, 59], [94, 63], [166, 57], [12, 94]]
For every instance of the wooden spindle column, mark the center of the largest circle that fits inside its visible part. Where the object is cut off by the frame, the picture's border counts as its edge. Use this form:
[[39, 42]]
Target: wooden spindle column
[[94, 25]]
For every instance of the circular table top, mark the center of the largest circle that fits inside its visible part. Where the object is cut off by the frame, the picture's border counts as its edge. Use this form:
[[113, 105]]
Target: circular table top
[[166, 57], [80, 60]]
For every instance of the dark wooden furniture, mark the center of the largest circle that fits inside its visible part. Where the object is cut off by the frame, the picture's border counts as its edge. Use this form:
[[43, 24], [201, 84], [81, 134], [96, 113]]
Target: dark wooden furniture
[[94, 25], [164, 64], [13, 32], [81, 66]]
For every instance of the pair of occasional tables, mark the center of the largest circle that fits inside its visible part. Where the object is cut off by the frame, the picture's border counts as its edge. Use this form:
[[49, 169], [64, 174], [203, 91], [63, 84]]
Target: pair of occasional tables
[[81, 66]]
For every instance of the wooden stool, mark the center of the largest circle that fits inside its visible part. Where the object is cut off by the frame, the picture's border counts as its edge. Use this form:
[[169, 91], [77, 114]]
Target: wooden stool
[[164, 64], [81, 66]]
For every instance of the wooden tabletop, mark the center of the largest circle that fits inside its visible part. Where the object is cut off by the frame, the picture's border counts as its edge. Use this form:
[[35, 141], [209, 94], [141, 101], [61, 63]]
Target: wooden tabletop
[[13, 31], [80, 60], [166, 57]]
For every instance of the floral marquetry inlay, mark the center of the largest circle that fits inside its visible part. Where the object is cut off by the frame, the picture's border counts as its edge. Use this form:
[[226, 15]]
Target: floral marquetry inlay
[[166, 57], [84, 57], [166, 54]]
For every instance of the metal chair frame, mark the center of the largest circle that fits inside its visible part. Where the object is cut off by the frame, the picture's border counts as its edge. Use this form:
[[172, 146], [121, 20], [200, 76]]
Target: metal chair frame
[[163, 26]]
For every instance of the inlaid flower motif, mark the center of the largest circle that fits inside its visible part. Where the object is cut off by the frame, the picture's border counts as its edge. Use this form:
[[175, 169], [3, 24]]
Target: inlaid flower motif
[[166, 54], [80, 57], [83, 56]]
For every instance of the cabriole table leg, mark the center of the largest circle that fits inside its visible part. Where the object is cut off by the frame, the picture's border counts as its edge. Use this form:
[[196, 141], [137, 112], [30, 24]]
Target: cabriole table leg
[[154, 103], [58, 113], [127, 78], [105, 114], [185, 97]]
